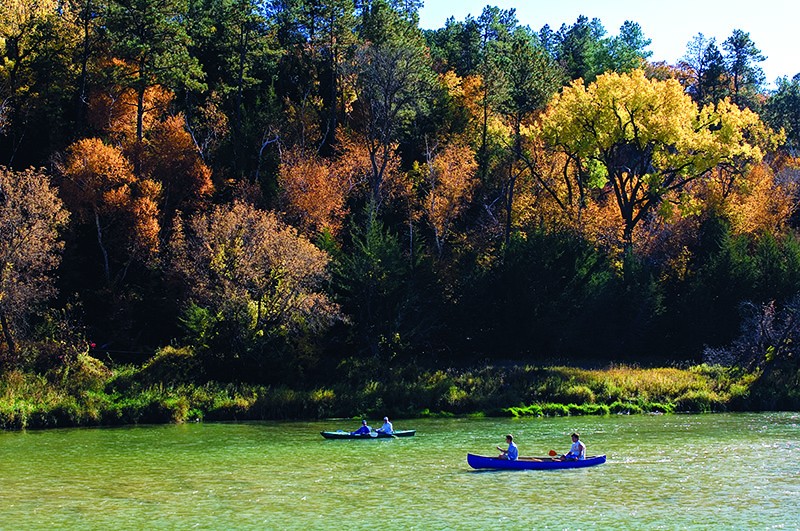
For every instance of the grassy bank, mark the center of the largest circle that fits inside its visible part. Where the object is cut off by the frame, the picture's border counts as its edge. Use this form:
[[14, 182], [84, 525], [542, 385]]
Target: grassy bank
[[90, 394]]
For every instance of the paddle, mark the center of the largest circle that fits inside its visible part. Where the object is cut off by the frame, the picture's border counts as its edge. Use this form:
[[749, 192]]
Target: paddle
[[552, 453], [373, 434]]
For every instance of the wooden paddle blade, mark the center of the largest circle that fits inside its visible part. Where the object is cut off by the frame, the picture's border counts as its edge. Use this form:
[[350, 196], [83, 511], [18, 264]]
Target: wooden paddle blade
[[552, 453]]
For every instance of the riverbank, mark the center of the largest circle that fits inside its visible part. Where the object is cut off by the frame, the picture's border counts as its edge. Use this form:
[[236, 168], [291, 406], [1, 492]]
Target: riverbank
[[90, 394]]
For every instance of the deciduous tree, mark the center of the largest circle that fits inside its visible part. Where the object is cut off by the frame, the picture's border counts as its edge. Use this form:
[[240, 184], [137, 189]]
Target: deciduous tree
[[31, 215], [646, 140], [101, 189], [258, 274], [315, 191], [450, 180]]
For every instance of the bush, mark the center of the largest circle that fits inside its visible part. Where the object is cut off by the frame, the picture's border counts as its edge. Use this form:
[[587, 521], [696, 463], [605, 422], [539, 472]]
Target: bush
[[698, 402], [173, 365], [579, 394], [555, 410], [87, 374]]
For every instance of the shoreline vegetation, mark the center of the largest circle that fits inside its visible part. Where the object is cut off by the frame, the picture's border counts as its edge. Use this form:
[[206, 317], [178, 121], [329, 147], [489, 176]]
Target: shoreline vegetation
[[304, 209], [90, 394]]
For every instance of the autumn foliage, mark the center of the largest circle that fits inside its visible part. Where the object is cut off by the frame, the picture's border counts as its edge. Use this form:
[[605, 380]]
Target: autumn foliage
[[31, 215], [327, 188]]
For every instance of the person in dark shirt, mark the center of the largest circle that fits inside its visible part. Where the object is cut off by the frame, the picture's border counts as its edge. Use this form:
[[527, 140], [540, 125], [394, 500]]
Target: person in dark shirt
[[363, 430]]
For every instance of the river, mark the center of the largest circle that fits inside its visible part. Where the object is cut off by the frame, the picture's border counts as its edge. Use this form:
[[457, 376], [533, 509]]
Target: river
[[715, 471]]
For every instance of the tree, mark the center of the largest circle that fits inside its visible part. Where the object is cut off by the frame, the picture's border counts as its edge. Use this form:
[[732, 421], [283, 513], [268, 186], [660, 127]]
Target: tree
[[533, 77], [171, 158], [87, 18], [579, 48], [747, 77], [782, 109], [31, 215], [495, 26], [456, 46], [625, 52], [336, 42], [319, 39], [36, 80], [314, 191], [168, 154], [380, 288], [262, 279], [101, 190], [646, 140], [238, 50], [704, 70], [392, 79], [450, 181], [150, 37]]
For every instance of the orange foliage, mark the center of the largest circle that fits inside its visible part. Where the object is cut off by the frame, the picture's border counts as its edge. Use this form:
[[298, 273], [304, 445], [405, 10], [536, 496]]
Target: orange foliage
[[451, 178], [356, 165], [171, 157], [471, 92], [145, 214], [113, 110], [97, 176], [314, 191], [759, 204], [168, 153], [99, 186]]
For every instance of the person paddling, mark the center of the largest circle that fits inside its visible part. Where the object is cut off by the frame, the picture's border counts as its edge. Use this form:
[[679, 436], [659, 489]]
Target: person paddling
[[512, 452], [577, 452], [387, 427], [363, 430]]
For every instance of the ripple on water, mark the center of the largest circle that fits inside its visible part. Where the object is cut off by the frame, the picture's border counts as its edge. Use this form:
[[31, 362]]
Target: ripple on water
[[731, 471]]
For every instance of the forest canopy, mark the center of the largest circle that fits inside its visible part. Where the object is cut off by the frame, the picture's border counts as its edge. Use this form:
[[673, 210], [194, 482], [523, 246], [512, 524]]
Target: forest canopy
[[289, 188]]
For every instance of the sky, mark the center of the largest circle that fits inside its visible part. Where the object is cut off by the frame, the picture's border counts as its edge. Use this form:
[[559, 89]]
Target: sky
[[773, 25]]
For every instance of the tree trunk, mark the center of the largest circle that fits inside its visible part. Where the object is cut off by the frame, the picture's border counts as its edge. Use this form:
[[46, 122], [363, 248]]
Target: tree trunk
[[7, 335]]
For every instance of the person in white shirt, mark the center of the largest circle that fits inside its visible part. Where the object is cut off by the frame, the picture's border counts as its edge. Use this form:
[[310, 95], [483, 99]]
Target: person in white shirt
[[512, 453], [386, 428], [577, 451]]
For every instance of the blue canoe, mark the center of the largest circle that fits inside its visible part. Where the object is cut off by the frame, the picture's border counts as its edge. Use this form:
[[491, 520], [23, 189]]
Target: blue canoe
[[531, 463], [374, 435]]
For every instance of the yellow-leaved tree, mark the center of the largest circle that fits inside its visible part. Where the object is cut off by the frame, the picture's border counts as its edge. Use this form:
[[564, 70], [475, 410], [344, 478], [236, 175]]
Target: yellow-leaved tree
[[450, 180], [644, 140]]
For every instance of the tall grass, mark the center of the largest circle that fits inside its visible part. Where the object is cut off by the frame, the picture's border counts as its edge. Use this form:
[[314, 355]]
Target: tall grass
[[87, 393]]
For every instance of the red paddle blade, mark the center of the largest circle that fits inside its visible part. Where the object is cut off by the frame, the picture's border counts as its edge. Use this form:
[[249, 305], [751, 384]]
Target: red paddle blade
[[552, 453]]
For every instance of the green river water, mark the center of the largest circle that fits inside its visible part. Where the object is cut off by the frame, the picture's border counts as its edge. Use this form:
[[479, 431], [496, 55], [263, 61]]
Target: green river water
[[720, 471]]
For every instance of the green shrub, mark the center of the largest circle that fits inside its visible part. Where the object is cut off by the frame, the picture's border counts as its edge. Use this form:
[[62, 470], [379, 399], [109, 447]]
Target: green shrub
[[173, 365], [588, 409], [624, 408], [579, 394], [555, 410], [87, 374], [701, 401], [532, 410]]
